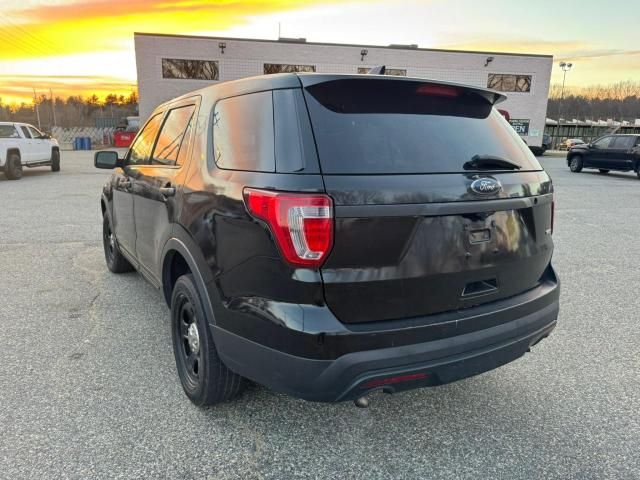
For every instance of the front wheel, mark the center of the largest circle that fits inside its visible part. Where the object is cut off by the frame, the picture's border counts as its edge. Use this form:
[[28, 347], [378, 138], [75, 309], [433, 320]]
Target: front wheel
[[112, 255], [13, 167], [575, 165], [55, 161], [205, 379]]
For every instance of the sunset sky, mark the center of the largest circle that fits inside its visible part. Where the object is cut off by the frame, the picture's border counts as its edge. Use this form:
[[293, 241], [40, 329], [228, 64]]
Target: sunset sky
[[85, 47]]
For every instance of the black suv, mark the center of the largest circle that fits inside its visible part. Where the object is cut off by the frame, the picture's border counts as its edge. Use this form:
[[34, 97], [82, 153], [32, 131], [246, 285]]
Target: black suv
[[611, 152], [333, 235]]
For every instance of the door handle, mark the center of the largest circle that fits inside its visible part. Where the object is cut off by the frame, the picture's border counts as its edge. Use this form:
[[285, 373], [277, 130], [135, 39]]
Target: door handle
[[167, 191]]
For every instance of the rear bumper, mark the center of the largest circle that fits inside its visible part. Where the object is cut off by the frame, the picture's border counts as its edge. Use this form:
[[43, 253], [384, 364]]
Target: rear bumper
[[396, 368]]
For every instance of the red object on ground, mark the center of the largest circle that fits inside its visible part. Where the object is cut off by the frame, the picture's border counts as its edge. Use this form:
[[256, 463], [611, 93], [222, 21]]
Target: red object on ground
[[123, 139]]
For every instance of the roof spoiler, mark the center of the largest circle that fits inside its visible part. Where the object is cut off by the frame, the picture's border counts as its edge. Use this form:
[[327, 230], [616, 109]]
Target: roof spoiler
[[309, 79]]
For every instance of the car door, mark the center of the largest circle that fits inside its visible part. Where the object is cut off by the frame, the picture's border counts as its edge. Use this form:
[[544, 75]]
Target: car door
[[598, 154], [41, 146], [620, 156], [123, 182], [157, 187], [27, 148]]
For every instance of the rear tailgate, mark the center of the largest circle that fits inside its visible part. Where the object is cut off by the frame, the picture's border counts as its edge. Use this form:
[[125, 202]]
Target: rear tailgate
[[412, 237]]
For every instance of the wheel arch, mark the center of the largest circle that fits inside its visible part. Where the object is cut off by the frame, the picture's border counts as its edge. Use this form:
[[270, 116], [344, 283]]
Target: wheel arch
[[181, 255]]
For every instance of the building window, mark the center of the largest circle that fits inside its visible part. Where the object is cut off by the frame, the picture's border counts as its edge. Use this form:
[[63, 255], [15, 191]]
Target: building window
[[397, 72], [286, 68], [189, 69], [505, 82]]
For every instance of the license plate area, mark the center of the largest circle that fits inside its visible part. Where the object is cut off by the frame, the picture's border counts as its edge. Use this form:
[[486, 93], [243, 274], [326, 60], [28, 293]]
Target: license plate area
[[479, 236]]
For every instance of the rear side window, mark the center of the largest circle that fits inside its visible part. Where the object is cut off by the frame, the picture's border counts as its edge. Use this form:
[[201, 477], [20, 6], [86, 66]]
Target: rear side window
[[394, 127], [623, 143], [141, 149], [8, 131], [243, 137], [173, 140]]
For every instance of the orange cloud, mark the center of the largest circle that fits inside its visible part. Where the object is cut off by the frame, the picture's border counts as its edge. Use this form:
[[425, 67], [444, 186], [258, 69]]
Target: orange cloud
[[76, 27]]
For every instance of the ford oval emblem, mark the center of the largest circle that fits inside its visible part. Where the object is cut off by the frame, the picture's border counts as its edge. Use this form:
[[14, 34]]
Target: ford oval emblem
[[485, 186]]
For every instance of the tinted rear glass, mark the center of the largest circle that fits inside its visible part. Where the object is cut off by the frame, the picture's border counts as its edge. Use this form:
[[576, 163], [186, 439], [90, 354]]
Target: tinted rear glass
[[381, 126]]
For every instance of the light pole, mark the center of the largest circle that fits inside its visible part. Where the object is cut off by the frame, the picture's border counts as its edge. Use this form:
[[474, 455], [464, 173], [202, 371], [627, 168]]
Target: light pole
[[565, 68]]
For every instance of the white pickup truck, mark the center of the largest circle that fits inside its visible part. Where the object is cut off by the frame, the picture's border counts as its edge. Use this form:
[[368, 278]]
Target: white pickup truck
[[23, 145]]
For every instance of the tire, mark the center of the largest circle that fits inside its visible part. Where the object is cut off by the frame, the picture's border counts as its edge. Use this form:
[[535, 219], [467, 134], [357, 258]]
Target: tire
[[604, 171], [205, 379], [13, 167], [575, 164], [55, 160], [112, 255]]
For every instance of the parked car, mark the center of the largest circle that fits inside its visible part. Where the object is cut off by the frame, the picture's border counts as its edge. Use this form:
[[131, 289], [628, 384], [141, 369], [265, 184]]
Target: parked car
[[546, 145], [611, 152], [329, 236], [571, 142], [23, 145]]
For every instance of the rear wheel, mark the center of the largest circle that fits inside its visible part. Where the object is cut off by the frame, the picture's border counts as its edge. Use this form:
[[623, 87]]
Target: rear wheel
[[604, 171], [112, 255], [13, 167], [205, 379], [55, 160], [575, 164]]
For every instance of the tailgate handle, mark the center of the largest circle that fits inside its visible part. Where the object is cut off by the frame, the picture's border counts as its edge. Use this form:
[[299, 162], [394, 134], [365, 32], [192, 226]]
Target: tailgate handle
[[481, 287]]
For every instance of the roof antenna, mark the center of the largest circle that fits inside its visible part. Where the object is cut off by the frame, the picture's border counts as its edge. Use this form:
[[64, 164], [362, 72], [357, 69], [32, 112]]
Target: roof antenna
[[379, 70]]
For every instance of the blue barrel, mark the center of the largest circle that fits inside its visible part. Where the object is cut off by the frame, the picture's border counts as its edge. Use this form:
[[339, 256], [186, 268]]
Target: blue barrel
[[77, 143], [88, 144]]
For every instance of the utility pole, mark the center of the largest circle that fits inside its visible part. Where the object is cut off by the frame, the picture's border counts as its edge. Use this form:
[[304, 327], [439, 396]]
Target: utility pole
[[35, 102], [53, 107]]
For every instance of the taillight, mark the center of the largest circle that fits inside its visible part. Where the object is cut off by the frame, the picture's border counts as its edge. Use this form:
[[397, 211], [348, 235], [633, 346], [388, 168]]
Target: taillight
[[438, 90], [302, 224]]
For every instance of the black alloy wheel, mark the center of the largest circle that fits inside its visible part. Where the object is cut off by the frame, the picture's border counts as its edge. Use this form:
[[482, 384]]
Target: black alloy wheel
[[189, 344]]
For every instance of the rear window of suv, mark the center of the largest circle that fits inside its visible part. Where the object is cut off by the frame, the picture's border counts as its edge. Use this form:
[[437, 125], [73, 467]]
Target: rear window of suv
[[375, 126]]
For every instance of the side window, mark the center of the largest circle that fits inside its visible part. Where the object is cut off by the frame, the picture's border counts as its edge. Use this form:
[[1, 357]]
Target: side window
[[243, 133], [8, 131], [141, 148], [173, 140], [623, 143], [35, 133], [25, 131], [603, 142]]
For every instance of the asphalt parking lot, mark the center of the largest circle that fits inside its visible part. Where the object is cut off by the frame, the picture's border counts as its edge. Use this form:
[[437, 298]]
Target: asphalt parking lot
[[88, 386]]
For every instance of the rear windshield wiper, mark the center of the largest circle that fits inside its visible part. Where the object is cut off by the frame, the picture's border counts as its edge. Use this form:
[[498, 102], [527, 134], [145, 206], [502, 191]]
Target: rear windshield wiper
[[489, 162]]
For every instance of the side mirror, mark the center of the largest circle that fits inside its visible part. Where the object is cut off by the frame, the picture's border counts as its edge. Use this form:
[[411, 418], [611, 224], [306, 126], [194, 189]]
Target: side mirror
[[45, 136], [106, 159]]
